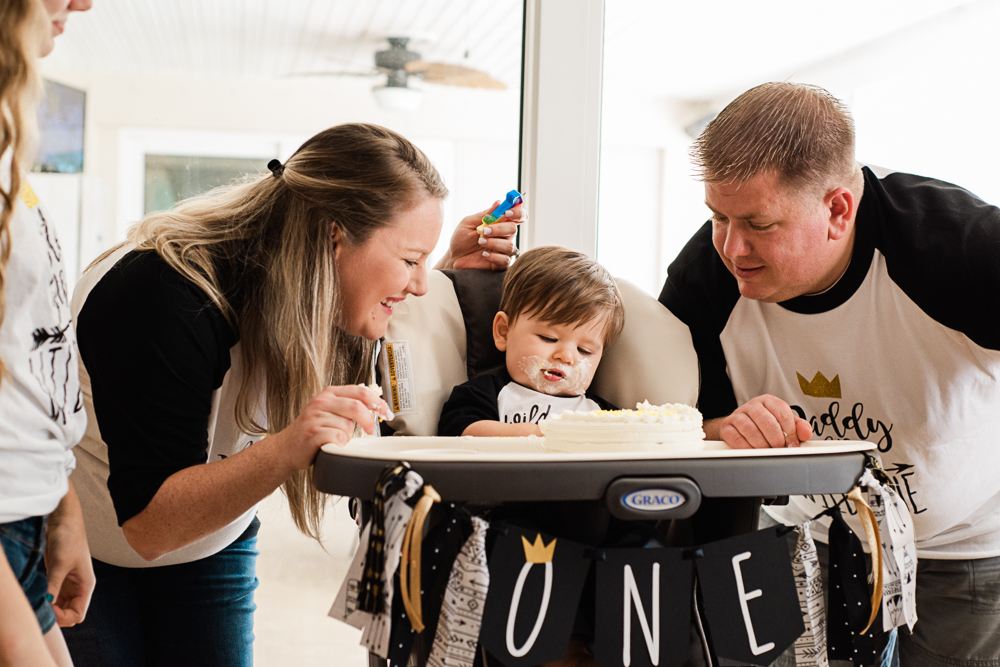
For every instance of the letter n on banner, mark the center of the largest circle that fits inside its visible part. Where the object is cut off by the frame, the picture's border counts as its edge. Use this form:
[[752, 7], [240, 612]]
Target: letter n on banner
[[751, 604], [644, 608], [535, 585]]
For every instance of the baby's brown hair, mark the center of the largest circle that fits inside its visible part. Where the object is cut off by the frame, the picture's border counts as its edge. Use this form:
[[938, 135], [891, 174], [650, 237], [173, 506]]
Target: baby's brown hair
[[561, 286]]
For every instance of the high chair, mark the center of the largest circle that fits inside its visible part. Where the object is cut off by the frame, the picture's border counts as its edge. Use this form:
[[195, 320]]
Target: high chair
[[438, 341]]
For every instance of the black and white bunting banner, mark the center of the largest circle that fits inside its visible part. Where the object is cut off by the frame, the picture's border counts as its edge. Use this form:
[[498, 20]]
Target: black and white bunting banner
[[521, 603], [750, 600], [644, 600]]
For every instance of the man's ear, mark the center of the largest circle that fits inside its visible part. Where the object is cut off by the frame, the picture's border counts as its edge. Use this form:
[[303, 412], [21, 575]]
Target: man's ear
[[842, 207], [501, 326]]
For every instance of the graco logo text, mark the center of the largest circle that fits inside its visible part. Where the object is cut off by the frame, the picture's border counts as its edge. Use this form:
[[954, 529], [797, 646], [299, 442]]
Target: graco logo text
[[653, 500]]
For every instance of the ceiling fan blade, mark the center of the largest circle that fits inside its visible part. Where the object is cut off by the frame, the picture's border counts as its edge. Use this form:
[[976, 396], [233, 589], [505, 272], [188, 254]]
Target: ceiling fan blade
[[454, 75]]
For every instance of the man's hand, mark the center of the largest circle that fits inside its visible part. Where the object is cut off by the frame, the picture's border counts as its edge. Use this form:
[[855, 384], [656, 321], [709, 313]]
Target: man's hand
[[494, 250], [67, 562], [762, 422]]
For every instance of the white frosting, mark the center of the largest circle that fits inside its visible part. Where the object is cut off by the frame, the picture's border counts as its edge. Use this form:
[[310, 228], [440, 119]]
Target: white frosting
[[575, 380], [673, 425]]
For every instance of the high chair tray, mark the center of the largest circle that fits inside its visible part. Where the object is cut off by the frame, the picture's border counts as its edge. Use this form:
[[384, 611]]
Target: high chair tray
[[520, 469]]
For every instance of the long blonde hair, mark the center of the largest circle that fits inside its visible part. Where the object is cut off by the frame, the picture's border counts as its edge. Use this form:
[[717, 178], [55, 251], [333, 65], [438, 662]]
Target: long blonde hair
[[23, 23], [275, 234]]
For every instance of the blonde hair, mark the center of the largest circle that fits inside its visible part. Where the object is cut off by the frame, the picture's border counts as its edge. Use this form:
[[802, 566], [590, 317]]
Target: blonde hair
[[562, 286], [275, 231], [23, 24], [800, 132]]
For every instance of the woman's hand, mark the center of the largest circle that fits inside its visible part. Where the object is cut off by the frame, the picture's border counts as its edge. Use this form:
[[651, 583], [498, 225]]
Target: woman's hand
[[494, 250], [329, 417], [67, 562]]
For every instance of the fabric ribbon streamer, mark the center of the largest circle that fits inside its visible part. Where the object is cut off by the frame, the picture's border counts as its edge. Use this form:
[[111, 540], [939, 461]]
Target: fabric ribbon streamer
[[870, 527], [899, 585], [810, 648], [440, 548], [371, 589], [346, 605], [462, 609], [397, 513], [847, 610], [409, 571]]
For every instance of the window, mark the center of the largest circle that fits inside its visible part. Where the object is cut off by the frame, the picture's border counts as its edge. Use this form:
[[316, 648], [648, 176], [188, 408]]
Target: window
[[918, 76]]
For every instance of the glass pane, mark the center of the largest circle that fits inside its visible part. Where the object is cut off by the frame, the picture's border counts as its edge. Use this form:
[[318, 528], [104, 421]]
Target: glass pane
[[919, 76], [171, 178]]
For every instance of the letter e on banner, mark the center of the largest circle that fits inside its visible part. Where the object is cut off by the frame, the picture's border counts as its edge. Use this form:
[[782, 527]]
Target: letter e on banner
[[751, 605], [653, 587]]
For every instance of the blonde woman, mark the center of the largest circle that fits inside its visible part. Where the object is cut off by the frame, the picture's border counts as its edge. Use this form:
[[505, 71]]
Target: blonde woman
[[40, 414], [228, 340]]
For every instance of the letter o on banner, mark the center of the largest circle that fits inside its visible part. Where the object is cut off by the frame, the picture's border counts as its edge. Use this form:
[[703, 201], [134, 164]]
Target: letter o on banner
[[533, 597]]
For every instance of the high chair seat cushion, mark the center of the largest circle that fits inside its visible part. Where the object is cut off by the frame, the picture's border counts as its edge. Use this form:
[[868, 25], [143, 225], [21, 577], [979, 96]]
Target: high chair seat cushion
[[653, 358]]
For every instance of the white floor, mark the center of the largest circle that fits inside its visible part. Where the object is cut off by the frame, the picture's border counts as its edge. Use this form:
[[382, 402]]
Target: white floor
[[298, 582]]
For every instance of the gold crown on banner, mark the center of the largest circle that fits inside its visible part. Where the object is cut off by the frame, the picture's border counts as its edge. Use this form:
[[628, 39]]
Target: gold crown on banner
[[538, 552], [820, 387]]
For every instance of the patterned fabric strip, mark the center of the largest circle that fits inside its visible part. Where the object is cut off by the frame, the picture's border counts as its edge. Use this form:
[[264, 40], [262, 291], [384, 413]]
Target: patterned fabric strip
[[370, 588], [462, 610], [345, 605], [810, 648], [899, 581], [397, 513]]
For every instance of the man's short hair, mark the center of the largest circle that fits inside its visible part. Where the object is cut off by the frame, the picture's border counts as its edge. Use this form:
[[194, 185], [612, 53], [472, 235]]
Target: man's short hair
[[799, 132], [561, 286]]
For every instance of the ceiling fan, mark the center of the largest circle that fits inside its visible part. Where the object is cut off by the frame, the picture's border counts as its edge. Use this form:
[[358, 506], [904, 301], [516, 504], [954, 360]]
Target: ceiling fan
[[398, 64]]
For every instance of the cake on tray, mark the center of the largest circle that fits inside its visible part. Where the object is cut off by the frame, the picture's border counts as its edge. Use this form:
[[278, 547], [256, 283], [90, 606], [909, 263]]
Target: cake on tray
[[671, 425]]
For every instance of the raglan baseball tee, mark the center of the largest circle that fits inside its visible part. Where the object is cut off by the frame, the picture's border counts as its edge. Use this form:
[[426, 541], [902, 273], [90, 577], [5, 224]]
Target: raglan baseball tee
[[160, 371], [903, 351]]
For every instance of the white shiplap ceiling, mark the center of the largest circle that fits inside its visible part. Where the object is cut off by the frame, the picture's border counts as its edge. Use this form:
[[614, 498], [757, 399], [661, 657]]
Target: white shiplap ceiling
[[690, 49], [262, 39]]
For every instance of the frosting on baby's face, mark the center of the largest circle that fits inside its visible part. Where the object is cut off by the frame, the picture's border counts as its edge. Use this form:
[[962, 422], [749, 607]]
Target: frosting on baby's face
[[554, 359]]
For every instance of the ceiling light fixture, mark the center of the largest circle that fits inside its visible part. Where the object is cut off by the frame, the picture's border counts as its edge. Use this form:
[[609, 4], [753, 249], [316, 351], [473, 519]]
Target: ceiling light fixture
[[398, 98]]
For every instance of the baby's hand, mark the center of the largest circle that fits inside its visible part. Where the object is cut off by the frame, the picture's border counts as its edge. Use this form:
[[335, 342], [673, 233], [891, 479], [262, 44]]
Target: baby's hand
[[493, 429]]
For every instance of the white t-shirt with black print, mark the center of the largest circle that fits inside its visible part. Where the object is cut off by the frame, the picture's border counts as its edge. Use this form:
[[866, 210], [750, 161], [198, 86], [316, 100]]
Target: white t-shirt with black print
[[41, 412]]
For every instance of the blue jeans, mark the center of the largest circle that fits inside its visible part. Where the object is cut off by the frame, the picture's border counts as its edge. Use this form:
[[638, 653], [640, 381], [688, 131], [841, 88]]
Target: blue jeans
[[24, 545], [198, 613]]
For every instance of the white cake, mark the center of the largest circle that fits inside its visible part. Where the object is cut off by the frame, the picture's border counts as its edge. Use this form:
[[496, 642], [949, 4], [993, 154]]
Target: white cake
[[671, 426]]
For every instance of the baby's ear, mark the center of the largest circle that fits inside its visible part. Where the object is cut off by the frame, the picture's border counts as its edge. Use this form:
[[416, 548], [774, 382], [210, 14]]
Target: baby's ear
[[501, 326]]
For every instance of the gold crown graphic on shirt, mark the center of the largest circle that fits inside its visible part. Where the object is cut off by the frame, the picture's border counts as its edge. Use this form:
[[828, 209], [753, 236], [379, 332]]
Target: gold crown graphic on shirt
[[538, 552], [820, 387]]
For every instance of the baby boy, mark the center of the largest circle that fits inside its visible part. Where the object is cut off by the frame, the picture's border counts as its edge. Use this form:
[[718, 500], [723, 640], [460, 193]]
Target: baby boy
[[558, 313]]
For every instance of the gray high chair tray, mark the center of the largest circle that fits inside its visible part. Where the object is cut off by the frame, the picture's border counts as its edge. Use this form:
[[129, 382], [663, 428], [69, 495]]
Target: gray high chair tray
[[633, 484]]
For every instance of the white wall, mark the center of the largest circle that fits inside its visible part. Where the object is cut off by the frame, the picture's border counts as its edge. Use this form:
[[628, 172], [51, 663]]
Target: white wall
[[482, 126]]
